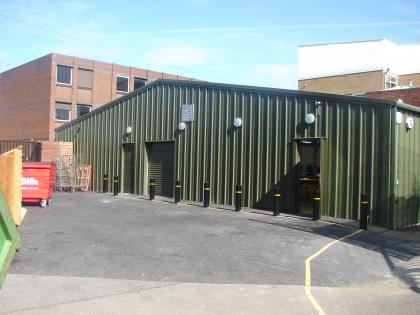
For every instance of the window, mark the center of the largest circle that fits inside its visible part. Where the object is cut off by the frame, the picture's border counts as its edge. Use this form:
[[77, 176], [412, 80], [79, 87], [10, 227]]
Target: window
[[122, 84], [390, 81], [84, 79], [83, 110], [64, 74], [62, 111], [139, 82]]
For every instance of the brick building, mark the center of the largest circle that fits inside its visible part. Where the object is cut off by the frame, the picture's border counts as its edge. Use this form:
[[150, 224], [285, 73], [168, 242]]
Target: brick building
[[408, 95], [354, 68], [42, 94]]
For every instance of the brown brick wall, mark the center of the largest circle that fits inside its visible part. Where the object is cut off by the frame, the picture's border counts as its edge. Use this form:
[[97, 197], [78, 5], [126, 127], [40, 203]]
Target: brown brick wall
[[25, 101], [104, 84], [405, 79], [354, 84], [50, 149], [408, 96], [28, 93]]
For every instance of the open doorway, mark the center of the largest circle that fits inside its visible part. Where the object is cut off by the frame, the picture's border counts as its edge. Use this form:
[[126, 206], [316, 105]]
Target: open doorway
[[309, 173], [128, 167]]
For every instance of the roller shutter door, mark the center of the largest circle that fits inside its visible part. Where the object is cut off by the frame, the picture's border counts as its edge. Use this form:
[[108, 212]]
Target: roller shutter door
[[161, 166]]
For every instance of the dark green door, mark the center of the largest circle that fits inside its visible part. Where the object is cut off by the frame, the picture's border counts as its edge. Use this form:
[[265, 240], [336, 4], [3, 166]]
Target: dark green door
[[128, 184], [161, 166]]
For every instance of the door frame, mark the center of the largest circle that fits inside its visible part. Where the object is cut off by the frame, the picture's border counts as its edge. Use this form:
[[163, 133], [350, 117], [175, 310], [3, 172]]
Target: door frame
[[321, 141], [146, 162], [122, 179]]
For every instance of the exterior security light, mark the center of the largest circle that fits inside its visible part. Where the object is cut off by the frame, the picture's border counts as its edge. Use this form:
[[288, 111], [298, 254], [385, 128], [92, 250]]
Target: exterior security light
[[398, 117], [409, 122], [181, 126], [237, 122], [309, 118], [128, 130]]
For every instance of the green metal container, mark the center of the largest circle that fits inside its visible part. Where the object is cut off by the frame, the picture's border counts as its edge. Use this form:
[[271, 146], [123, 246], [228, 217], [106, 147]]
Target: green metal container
[[10, 240], [359, 142]]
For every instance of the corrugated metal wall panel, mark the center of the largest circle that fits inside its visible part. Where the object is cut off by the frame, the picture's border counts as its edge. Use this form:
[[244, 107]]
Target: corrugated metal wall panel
[[407, 171], [356, 145], [357, 140]]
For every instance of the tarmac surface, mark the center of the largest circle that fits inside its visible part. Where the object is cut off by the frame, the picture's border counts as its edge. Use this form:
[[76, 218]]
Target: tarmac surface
[[90, 253]]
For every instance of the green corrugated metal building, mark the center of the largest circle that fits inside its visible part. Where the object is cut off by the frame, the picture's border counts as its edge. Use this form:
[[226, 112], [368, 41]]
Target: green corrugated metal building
[[300, 141]]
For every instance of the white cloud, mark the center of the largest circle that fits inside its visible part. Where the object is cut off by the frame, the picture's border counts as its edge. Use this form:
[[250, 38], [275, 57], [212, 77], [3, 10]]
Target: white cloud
[[405, 9], [78, 6], [283, 27], [182, 55], [5, 64], [97, 38], [272, 75], [199, 1]]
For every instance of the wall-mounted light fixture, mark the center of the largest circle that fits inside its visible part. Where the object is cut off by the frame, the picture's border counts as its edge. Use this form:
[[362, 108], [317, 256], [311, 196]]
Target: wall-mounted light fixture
[[398, 117], [181, 126], [309, 118], [128, 130], [409, 122], [237, 122]]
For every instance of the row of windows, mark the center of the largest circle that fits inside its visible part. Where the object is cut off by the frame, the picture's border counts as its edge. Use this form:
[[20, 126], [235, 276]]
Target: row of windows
[[85, 79], [63, 111], [390, 81]]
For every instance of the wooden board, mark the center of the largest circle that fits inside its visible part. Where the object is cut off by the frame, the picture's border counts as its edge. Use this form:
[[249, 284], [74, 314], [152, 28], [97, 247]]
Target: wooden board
[[10, 177], [10, 241]]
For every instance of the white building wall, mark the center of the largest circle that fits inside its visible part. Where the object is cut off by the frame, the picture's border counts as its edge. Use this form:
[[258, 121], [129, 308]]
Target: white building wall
[[345, 58]]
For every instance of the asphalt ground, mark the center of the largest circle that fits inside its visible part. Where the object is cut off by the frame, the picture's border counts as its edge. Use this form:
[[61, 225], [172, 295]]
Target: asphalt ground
[[94, 253]]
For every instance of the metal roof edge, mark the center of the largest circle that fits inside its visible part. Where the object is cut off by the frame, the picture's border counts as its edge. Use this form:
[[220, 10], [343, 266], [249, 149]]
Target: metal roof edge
[[246, 88], [250, 88], [345, 42], [407, 107], [339, 74]]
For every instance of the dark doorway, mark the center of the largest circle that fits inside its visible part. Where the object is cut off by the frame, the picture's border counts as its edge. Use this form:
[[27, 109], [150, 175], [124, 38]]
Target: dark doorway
[[309, 173], [128, 168], [161, 157]]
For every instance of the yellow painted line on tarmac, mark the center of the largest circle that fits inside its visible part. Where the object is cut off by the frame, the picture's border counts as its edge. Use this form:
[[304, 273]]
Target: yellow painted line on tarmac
[[308, 288], [330, 222]]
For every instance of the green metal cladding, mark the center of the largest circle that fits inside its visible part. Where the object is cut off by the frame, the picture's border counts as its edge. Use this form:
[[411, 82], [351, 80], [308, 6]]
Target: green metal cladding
[[406, 198], [359, 137]]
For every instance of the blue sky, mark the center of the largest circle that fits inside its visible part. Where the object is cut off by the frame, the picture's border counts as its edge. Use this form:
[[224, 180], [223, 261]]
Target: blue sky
[[242, 42]]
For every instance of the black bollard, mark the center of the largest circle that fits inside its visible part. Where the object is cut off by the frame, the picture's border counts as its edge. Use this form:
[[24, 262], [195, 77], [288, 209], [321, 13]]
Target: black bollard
[[364, 211], [116, 186], [317, 200], [206, 193], [105, 184], [277, 196], [152, 185], [177, 191], [238, 198]]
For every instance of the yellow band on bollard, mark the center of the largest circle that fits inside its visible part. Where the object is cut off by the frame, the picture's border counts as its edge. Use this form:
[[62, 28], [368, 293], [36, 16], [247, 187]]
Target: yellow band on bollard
[[115, 181], [178, 186], [317, 198], [364, 202], [277, 195], [206, 188], [152, 184], [238, 192]]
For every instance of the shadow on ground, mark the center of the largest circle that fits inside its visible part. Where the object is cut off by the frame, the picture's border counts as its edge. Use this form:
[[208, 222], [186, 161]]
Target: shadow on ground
[[403, 245]]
